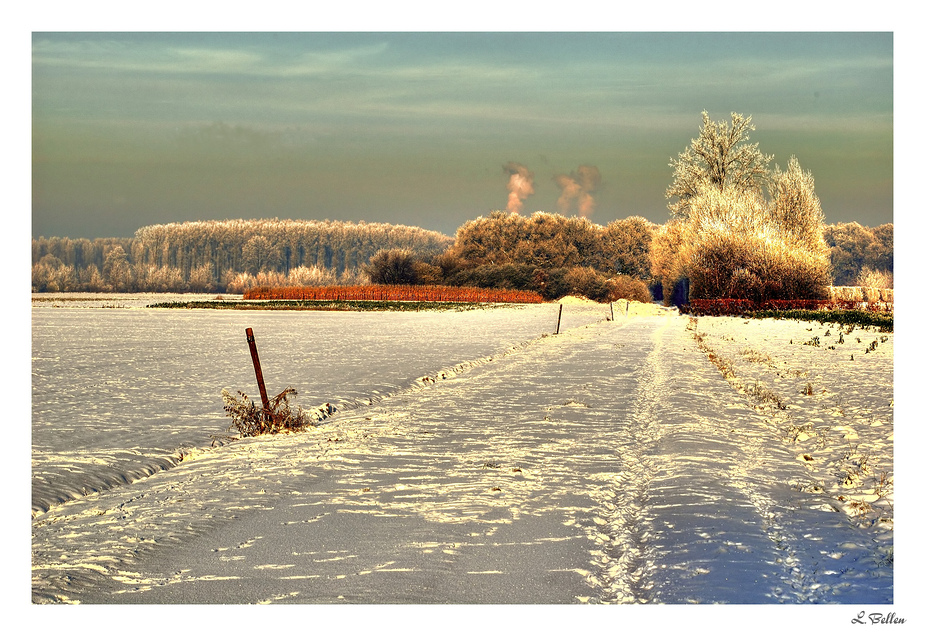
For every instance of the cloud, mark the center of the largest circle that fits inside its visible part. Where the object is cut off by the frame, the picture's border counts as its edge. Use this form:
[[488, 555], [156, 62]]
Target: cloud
[[519, 185], [577, 189], [194, 57]]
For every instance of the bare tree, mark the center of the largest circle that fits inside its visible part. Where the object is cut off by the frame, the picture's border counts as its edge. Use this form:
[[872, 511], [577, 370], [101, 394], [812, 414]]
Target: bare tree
[[260, 254], [393, 267], [117, 271], [720, 157]]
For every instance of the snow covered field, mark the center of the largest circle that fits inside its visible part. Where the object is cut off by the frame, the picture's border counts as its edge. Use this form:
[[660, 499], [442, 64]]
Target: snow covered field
[[120, 391], [644, 460]]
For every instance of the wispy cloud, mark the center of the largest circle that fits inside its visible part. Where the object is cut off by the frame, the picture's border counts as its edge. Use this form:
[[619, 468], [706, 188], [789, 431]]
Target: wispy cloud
[[146, 58], [370, 78]]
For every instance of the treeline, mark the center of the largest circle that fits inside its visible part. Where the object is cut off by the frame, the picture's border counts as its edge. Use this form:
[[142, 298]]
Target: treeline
[[223, 256], [739, 230], [555, 255], [858, 252], [551, 254]]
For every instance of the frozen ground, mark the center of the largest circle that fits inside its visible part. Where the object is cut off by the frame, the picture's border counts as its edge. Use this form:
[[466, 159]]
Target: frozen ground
[[611, 464]]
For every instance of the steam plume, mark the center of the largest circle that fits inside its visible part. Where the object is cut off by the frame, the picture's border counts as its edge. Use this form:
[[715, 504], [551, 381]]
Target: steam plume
[[578, 187], [519, 185]]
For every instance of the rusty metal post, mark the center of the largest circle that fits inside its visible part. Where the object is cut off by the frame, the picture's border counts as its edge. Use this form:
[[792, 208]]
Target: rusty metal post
[[560, 319], [256, 359]]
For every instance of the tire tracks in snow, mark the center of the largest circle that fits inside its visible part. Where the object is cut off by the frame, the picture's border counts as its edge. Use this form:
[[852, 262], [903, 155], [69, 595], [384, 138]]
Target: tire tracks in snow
[[699, 511], [624, 562]]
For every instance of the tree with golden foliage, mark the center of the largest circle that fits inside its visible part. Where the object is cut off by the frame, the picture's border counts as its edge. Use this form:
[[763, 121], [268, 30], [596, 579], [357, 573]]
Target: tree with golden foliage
[[795, 208], [733, 246]]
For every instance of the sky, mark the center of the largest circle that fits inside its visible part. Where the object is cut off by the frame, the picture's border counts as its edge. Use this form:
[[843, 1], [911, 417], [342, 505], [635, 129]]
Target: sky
[[436, 128]]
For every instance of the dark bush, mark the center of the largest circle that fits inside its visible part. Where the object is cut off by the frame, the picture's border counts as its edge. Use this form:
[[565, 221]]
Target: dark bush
[[393, 267], [508, 276]]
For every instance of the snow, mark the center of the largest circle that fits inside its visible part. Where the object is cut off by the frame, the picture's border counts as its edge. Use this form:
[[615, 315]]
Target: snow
[[120, 391], [610, 464]]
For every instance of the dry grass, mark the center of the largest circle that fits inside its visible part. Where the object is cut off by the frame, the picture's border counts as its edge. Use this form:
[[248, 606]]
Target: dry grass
[[859, 294], [760, 395], [251, 420], [875, 278], [426, 293]]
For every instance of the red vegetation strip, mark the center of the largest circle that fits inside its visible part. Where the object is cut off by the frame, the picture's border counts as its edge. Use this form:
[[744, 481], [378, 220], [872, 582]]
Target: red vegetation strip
[[733, 306], [426, 293]]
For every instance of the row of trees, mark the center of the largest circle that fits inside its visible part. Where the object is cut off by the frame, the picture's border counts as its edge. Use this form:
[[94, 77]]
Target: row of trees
[[50, 274], [859, 254], [223, 255], [739, 229], [500, 251]]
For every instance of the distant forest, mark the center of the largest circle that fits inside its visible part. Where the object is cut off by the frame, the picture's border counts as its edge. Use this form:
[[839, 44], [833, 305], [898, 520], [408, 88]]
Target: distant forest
[[549, 253], [222, 256]]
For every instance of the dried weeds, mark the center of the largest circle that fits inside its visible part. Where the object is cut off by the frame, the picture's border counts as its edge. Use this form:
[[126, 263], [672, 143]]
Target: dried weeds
[[251, 420]]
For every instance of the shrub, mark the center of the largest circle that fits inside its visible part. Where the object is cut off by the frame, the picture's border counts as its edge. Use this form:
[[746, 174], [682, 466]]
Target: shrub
[[251, 420], [587, 282], [505, 276], [393, 267], [628, 288], [874, 278], [732, 246]]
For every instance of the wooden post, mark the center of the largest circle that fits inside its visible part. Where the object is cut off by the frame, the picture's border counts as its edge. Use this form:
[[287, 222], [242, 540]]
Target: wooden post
[[560, 319], [611, 311], [256, 359]]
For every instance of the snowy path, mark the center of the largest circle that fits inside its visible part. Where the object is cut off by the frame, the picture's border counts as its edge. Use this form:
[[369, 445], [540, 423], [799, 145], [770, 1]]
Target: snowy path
[[612, 463]]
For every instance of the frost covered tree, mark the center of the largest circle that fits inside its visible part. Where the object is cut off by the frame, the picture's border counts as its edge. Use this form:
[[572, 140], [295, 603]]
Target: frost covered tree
[[855, 247], [727, 240], [625, 246], [117, 271], [795, 207], [718, 157], [260, 254], [734, 246]]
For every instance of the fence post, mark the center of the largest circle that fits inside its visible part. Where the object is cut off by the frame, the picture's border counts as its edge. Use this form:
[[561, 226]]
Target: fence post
[[256, 359], [560, 319], [611, 311]]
